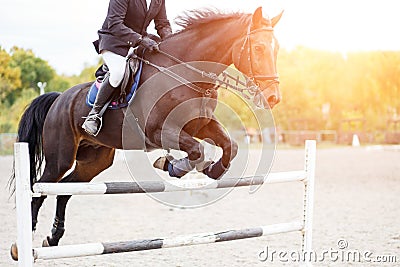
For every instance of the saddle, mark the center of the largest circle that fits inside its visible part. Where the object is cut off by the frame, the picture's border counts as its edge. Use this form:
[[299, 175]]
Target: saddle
[[126, 91]]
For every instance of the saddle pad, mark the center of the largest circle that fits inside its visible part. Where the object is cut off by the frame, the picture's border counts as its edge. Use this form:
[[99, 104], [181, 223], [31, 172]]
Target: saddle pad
[[94, 89]]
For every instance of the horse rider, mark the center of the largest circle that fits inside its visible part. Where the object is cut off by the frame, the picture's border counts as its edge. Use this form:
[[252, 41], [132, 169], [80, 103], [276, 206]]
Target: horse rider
[[124, 27]]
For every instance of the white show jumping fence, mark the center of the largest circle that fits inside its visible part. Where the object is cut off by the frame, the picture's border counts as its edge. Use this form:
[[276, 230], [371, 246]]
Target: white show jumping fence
[[27, 255]]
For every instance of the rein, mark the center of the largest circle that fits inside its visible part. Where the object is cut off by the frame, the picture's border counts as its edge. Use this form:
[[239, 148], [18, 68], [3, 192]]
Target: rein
[[177, 77], [248, 85], [251, 86]]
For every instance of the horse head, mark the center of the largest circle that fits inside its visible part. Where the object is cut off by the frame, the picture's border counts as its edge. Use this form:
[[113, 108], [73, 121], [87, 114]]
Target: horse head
[[255, 55]]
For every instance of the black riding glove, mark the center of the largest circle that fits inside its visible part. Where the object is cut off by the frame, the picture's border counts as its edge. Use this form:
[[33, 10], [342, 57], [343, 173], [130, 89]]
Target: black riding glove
[[149, 44]]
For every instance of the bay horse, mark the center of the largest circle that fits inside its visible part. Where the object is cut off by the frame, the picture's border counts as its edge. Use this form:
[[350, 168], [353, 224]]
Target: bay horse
[[52, 122]]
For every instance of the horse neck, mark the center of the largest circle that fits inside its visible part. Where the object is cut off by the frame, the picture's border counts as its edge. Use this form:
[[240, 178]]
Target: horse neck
[[211, 42]]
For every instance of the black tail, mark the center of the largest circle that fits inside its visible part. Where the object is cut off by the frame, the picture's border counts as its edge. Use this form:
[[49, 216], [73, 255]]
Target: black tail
[[30, 130]]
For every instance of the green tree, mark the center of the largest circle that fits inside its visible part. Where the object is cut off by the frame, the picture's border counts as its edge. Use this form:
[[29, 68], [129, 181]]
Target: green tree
[[9, 75], [10, 115], [33, 69], [58, 84], [86, 75]]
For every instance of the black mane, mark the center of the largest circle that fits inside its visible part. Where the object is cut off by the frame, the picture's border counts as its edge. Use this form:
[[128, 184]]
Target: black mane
[[195, 18]]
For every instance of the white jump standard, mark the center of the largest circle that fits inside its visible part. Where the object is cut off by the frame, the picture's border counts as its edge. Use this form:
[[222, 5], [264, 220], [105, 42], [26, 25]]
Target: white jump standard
[[27, 255]]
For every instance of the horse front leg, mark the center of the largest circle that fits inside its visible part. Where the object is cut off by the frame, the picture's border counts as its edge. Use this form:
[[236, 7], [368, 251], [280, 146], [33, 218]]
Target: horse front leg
[[214, 132], [184, 142]]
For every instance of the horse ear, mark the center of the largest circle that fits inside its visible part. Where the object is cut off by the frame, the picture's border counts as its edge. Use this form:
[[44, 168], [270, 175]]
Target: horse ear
[[276, 19], [257, 18]]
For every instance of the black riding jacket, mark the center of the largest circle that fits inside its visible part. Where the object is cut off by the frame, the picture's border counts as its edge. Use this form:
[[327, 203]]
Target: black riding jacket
[[127, 21]]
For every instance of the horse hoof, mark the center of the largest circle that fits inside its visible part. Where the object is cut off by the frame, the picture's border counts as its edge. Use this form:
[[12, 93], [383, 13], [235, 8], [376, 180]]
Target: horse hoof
[[45, 243], [161, 163], [14, 252], [204, 165], [216, 170]]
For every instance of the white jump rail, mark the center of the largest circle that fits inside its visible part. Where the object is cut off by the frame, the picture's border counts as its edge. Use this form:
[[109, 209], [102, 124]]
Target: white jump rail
[[27, 254]]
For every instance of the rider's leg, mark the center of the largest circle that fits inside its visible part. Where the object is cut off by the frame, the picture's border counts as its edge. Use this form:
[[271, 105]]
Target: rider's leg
[[116, 66]]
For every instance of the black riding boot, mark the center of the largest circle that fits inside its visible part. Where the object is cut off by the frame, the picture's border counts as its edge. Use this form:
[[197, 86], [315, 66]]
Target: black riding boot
[[93, 122]]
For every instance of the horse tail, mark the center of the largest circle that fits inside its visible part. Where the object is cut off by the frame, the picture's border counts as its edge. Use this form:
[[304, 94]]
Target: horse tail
[[30, 130]]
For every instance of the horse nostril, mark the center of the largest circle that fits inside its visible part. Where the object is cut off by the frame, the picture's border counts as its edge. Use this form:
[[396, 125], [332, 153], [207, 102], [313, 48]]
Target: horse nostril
[[272, 100]]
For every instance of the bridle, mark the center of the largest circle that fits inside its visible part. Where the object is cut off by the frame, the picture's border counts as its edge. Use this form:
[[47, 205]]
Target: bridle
[[252, 78]]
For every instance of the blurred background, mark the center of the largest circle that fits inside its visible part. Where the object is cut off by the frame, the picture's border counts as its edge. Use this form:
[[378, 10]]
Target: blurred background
[[339, 67], [339, 64]]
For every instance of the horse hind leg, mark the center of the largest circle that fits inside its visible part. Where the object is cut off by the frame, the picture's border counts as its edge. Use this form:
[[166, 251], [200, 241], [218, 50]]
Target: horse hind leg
[[58, 229], [52, 173], [90, 162], [36, 203], [56, 167]]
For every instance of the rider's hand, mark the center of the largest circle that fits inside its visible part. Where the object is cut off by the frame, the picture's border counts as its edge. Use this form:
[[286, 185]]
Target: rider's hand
[[149, 44]]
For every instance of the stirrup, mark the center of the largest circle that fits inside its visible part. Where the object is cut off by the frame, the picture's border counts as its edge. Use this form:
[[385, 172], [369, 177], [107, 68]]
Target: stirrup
[[95, 117]]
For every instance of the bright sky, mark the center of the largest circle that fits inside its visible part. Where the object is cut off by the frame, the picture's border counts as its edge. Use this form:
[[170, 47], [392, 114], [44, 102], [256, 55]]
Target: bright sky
[[61, 32]]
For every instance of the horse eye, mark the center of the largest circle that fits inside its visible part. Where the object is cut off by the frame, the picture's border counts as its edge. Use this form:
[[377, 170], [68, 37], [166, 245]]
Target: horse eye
[[259, 48]]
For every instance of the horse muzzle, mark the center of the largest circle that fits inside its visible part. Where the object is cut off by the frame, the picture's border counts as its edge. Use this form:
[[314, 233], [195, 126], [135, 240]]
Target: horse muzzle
[[269, 95]]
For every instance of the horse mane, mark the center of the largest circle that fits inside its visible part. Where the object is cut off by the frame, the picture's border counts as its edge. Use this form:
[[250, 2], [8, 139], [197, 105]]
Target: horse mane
[[195, 18]]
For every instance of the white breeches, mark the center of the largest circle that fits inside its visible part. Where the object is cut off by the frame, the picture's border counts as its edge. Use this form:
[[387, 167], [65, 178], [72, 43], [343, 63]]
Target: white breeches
[[116, 65]]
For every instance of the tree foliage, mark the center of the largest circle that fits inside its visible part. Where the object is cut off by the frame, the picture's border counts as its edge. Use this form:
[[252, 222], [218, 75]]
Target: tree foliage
[[355, 85], [20, 71], [10, 76], [33, 69]]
